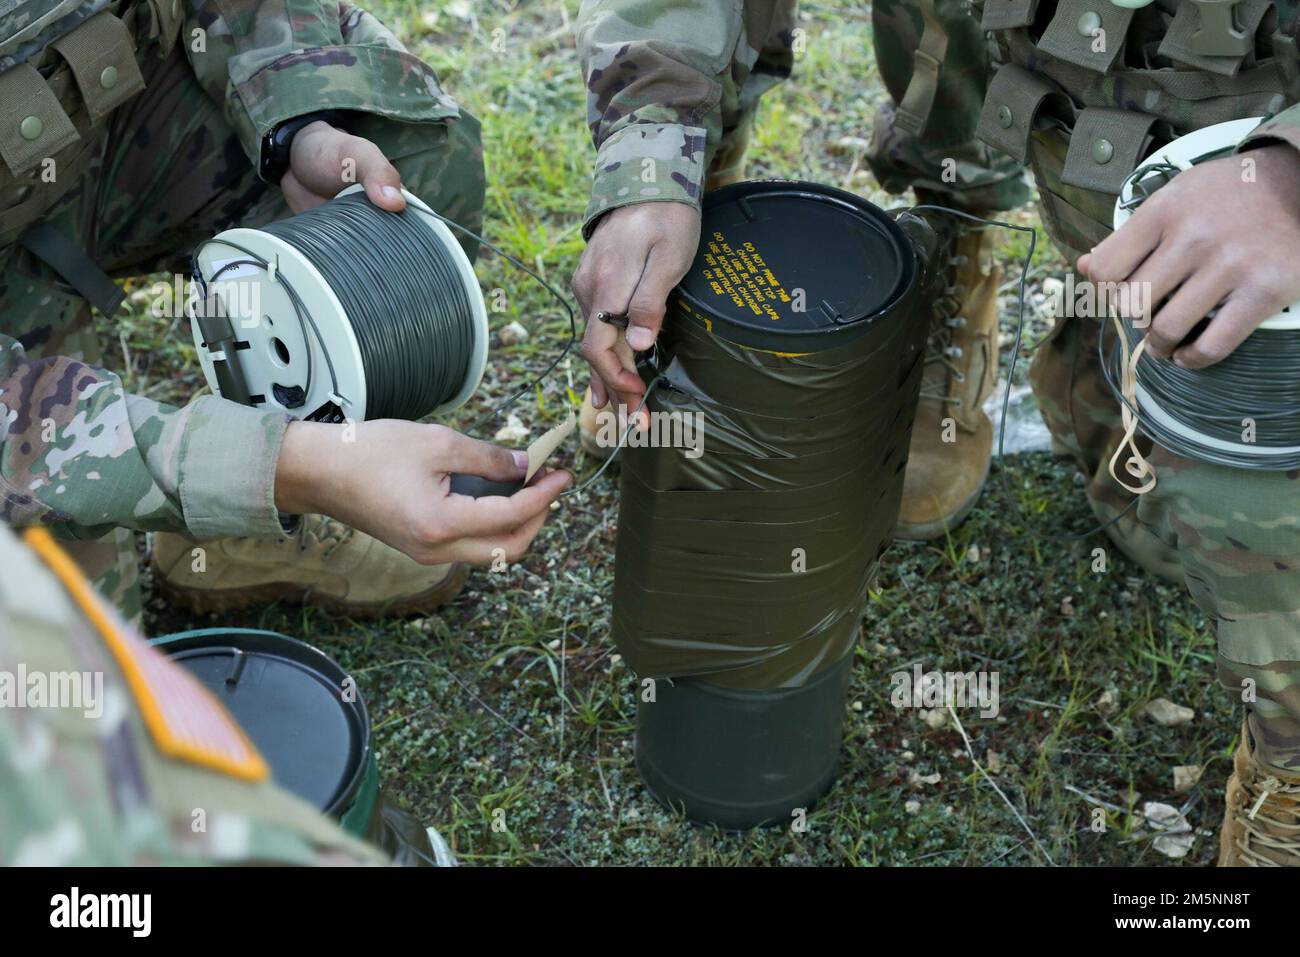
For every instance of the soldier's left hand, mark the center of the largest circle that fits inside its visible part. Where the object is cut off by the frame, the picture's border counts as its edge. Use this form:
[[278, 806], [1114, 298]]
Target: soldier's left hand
[[323, 160], [1222, 234]]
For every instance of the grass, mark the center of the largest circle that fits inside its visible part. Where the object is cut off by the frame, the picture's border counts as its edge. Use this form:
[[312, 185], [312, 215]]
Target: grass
[[512, 708]]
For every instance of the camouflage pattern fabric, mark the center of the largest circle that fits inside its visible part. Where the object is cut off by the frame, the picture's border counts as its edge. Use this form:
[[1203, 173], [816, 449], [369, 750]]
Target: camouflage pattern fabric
[[85, 781], [80, 454], [945, 159], [664, 81], [1233, 536]]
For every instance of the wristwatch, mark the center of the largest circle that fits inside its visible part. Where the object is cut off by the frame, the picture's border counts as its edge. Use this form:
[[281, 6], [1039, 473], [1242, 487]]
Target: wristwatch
[[274, 161]]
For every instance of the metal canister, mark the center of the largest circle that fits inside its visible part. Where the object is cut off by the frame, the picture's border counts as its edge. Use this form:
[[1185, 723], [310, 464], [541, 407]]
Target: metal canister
[[794, 348]]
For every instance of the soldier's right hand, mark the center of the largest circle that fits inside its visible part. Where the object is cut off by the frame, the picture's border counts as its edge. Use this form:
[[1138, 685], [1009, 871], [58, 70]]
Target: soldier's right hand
[[635, 257], [391, 479]]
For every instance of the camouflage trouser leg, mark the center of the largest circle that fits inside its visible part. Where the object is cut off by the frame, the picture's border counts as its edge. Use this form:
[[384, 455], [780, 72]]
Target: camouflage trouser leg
[[945, 158], [1232, 536], [171, 174], [1083, 417], [1238, 533]]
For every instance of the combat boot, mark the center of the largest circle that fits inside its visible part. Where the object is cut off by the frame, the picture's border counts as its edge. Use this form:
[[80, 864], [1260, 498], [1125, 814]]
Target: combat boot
[[324, 563], [952, 438], [1261, 820]]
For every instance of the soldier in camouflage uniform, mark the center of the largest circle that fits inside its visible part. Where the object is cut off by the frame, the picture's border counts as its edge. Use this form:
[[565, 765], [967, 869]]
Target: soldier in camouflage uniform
[[130, 130], [1083, 89], [106, 785]]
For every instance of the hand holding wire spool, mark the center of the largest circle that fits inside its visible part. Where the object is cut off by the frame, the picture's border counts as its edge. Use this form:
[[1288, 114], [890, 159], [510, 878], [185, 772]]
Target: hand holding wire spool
[[1204, 248], [346, 314]]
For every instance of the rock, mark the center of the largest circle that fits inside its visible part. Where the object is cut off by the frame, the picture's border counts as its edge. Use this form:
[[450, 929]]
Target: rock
[[1167, 714], [1186, 776], [1175, 838], [1106, 702], [852, 144], [917, 780], [512, 334], [856, 706], [512, 431]]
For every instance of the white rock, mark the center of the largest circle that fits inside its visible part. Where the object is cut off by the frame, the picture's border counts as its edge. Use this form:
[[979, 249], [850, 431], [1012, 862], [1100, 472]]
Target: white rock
[[1175, 833], [512, 431], [1167, 714], [1186, 776], [512, 334]]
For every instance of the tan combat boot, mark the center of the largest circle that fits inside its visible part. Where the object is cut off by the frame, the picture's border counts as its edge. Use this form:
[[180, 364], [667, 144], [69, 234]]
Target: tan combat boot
[[952, 438], [1261, 820], [325, 563]]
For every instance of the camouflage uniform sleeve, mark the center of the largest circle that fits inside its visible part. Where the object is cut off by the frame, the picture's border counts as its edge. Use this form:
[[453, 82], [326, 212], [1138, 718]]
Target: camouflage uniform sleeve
[[81, 455], [269, 61], [656, 76], [1283, 128]]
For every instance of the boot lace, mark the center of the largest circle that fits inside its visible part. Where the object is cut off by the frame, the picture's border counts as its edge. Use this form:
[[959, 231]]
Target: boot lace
[[323, 531], [940, 352], [1270, 833]]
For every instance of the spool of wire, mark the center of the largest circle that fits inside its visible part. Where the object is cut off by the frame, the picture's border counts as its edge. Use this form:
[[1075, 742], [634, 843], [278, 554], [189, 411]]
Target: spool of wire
[[345, 311], [1243, 411]]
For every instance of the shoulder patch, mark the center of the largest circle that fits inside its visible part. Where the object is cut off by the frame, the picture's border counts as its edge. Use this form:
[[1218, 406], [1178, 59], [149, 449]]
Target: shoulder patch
[[185, 721]]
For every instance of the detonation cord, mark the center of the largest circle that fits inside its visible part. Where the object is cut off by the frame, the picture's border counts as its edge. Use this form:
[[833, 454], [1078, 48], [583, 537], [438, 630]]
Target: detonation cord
[[1015, 353]]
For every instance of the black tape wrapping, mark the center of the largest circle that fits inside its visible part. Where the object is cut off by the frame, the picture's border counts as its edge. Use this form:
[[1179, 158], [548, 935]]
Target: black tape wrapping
[[799, 452]]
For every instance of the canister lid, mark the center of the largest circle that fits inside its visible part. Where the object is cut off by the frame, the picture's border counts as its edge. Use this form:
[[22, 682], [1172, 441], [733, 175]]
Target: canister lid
[[794, 267], [292, 700]]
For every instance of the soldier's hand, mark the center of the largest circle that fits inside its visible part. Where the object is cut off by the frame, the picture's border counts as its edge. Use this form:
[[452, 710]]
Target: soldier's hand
[[636, 256], [323, 160], [390, 479], [1222, 234]]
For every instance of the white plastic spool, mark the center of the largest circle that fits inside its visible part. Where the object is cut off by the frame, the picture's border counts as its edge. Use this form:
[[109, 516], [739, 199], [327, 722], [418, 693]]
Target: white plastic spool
[[1180, 153], [263, 315]]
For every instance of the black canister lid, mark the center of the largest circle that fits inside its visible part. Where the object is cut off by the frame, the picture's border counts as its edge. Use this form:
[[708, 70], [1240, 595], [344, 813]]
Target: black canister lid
[[290, 700], [794, 267]]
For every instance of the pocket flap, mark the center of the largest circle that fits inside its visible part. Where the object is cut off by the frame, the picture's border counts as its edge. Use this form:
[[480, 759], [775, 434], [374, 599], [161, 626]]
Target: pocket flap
[[33, 125], [1008, 14], [102, 59], [1007, 117], [1087, 33], [1105, 148]]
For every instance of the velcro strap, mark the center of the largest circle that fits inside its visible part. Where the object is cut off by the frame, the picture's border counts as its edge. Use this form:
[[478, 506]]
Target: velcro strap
[[1013, 100], [914, 110], [1067, 39], [102, 59], [33, 125], [1187, 39], [1008, 14], [68, 260], [1105, 148]]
